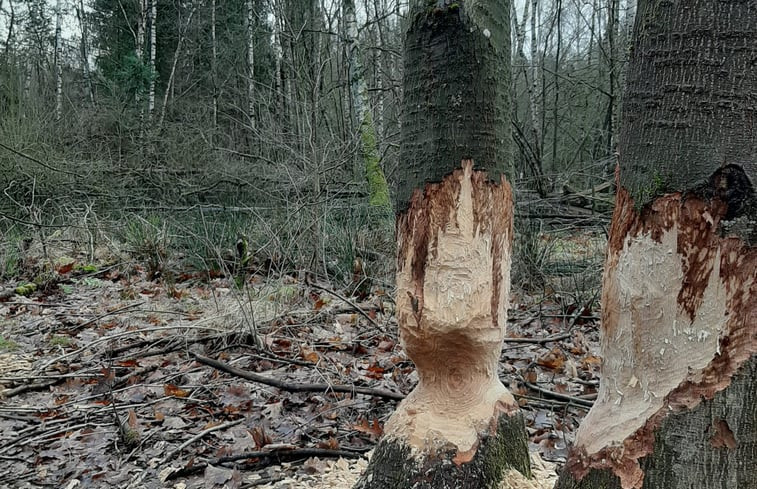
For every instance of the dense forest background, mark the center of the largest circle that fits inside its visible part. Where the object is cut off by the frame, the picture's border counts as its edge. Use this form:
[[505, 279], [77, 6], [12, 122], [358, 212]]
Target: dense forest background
[[179, 127]]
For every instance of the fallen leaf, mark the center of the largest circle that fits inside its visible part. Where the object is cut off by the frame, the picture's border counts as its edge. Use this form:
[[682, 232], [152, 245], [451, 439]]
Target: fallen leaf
[[174, 391]]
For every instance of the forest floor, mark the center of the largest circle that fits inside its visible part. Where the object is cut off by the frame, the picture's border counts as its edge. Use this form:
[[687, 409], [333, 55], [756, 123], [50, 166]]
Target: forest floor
[[111, 379]]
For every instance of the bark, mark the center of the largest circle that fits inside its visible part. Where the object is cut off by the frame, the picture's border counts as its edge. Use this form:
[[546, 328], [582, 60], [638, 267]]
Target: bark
[[153, 52], [676, 403], [460, 427], [80, 14], [456, 91], [58, 60]]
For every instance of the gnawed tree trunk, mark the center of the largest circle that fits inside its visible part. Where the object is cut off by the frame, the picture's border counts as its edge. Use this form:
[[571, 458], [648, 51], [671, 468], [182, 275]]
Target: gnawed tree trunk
[[676, 407], [460, 427]]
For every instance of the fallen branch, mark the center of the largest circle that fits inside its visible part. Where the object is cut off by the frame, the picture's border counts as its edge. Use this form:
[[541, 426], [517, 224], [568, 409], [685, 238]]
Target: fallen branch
[[556, 395], [270, 456], [40, 386], [198, 436], [320, 387], [539, 341]]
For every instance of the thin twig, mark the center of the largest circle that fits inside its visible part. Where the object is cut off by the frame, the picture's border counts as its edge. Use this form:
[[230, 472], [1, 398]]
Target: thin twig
[[557, 395], [198, 436], [539, 341], [350, 389], [35, 160], [355, 306], [111, 313]]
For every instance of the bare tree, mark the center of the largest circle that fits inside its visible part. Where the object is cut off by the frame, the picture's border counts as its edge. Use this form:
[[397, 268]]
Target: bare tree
[[177, 52], [58, 61], [153, 51], [84, 50]]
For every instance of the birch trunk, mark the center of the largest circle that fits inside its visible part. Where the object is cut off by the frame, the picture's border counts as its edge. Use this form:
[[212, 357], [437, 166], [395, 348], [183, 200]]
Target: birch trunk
[[153, 52], [214, 69], [58, 61], [278, 53], [250, 27], [676, 406]]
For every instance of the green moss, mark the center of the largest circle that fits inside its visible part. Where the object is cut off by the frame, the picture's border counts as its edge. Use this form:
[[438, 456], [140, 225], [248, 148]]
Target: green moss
[[60, 341], [26, 288], [7, 344], [656, 186], [89, 268], [378, 189]]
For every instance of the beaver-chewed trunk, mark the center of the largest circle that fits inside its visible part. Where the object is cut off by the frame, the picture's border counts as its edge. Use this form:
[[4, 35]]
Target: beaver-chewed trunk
[[460, 427]]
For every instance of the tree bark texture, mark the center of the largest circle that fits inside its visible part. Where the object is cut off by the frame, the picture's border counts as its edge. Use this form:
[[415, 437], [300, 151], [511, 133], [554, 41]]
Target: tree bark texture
[[691, 92], [460, 427], [676, 406], [58, 61], [456, 91]]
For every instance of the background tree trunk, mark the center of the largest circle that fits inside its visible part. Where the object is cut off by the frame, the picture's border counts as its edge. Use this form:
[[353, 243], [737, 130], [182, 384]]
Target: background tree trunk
[[378, 190], [460, 427], [153, 52], [676, 407], [58, 60]]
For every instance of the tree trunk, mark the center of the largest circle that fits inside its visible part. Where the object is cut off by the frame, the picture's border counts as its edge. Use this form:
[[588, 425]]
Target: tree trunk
[[676, 407], [80, 14], [58, 60], [153, 52], [214, 70], [172, 75], [250, 68], [460, 427], [378, 190], [456, 91]]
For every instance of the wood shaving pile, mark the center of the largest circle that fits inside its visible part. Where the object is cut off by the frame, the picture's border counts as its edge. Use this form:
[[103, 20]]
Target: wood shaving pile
[[343, 474]]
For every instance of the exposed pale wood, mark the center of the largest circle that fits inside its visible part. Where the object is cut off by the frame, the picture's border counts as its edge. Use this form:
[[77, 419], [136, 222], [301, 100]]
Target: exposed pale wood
[[460, 427]]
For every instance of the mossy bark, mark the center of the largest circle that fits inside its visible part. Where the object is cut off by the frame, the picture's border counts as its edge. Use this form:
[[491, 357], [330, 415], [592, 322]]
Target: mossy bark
[[712, 446], [378, 189], [394, 466]]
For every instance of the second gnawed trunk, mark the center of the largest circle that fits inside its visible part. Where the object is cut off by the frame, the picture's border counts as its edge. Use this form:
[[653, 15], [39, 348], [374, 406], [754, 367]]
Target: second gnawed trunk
[[676, 404], [460, 427], [678, 346]]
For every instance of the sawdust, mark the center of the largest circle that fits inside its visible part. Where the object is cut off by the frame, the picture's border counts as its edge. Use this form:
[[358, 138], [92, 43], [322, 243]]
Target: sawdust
[[343, 474]]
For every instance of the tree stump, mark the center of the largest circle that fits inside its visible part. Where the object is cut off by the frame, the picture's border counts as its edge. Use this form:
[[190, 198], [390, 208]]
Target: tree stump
[[460, 427]]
